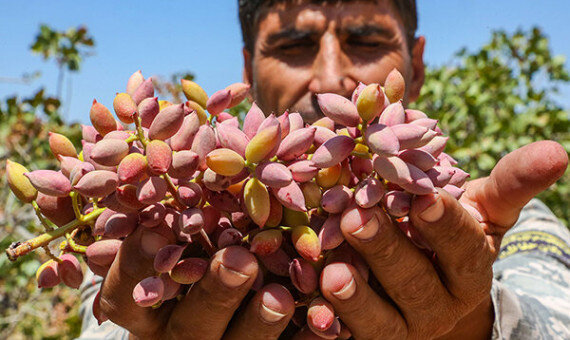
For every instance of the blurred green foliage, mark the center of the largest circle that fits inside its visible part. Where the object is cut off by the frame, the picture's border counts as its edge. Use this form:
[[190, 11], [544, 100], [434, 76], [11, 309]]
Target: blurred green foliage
[[68, 48], [25, 311], [499, 98]]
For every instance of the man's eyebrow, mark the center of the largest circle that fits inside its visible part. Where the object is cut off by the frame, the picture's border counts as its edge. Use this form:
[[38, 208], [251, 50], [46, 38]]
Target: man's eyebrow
[[290, 34], [365, 30]]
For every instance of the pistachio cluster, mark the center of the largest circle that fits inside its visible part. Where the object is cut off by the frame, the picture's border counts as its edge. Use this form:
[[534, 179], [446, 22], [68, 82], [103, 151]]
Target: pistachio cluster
[[276, 185]]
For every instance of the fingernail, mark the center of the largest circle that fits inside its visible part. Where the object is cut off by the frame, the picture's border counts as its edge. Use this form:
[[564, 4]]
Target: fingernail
[[434, 211], [368, 230], [347, 291], [338, 279], [276, 300], [269, 314], [230, 277], [151, 242]]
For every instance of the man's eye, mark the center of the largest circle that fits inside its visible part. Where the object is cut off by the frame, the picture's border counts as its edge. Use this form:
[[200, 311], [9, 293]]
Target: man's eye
[[364, 43], [295, 45]]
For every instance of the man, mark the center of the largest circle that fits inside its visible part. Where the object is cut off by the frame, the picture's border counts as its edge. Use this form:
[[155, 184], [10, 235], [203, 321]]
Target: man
[[293, 51]]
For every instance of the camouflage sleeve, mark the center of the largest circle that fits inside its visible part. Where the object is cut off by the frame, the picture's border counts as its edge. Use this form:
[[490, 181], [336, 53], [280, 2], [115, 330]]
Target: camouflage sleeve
[[90, 329], [531, 289]]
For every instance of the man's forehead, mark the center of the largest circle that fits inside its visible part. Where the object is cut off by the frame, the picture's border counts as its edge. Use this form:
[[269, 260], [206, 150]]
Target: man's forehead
[[311, 16]]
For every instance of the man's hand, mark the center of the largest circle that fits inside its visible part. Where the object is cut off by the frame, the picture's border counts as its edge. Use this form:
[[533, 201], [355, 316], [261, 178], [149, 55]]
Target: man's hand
[[450, 296], [206, 310]]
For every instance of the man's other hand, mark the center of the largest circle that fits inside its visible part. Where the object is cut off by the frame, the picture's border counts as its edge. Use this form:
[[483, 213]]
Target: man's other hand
[[206, 310]]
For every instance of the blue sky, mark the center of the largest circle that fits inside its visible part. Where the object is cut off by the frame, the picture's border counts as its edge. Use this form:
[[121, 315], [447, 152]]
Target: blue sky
[[163, 37]]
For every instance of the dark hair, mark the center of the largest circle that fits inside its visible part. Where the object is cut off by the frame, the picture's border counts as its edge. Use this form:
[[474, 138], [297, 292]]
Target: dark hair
[[249, 11]]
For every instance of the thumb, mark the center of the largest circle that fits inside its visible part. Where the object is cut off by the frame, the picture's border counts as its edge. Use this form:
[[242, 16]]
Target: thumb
[[515, 180]]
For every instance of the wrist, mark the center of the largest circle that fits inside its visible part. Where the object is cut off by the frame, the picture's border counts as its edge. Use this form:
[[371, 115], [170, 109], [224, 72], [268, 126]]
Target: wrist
[[477, 324]]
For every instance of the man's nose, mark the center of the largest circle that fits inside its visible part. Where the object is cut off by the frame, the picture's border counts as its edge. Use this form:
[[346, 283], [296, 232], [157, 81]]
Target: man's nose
[[330, 69]]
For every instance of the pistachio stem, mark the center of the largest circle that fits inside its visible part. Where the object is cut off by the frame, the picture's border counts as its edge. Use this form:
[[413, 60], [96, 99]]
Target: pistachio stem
[[250, 166], [132, 138], [172, 190], [75, 201], [48, 225], [140, 132], [76, 248], [22, 248]]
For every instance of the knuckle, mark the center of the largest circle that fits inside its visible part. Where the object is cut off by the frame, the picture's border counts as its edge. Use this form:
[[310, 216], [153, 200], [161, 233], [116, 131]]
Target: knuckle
[[476, 261], [444, 323], [203, 324], [440, 327], [219, 300], [453, 233], [387, 251], [476, 278], [416, 288]]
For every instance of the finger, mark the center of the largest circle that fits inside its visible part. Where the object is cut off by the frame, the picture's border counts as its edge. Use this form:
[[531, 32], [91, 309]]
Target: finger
[[464, 254], [406, 274], [266, 316], [206, 310], [515, 180], [365, 313], [133, 263]]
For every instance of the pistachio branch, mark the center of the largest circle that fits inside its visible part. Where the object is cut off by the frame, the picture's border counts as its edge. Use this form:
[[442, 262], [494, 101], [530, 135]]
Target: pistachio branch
[[22, 248]]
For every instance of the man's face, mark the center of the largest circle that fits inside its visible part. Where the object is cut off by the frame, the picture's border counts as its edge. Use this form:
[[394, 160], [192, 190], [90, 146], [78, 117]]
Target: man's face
[[303, 49]]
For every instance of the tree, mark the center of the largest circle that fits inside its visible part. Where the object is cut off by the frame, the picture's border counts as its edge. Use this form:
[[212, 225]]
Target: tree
[[68, 48], [499, 98]]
